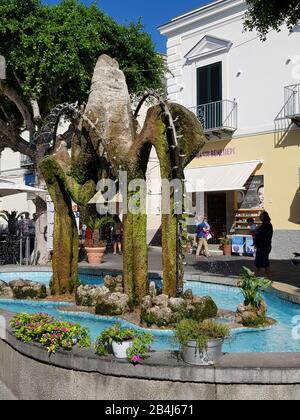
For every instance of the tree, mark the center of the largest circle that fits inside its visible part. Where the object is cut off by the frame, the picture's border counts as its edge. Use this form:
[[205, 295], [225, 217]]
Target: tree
[[265, 16], [11, 218], [50, 54], [110, 137]]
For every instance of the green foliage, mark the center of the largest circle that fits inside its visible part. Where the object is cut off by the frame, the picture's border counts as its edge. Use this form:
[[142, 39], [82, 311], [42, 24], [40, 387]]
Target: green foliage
[[94, 222], [11, 219], [191, 330], [52, 334], [225, 241], [252, 287], [53, 49], [139, 349], [265, 16]]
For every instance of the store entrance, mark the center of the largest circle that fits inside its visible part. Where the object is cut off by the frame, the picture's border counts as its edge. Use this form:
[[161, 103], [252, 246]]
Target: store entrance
[[217, 214]]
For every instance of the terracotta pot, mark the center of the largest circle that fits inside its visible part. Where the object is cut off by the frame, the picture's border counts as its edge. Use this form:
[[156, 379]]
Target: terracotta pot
[[95, 255], [227, 250]]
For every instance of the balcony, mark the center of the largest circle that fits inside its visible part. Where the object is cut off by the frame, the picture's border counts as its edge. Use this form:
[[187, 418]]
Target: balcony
[[25, 161], [219, 119], [291, 108]]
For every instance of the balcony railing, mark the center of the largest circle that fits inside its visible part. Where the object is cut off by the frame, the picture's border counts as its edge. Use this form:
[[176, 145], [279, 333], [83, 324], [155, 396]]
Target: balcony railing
[[25, 161], [292, 101], [217, 117]]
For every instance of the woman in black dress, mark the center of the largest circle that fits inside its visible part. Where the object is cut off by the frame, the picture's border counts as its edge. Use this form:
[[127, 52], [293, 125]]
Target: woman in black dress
[[263, 244]]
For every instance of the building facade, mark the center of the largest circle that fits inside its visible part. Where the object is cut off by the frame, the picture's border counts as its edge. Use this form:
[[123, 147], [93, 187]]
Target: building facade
[[246, 93]]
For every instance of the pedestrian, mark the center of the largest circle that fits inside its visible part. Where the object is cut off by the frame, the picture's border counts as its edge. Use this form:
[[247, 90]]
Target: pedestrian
[[117, 235], [263, 244], [252, 226], [203, 230]]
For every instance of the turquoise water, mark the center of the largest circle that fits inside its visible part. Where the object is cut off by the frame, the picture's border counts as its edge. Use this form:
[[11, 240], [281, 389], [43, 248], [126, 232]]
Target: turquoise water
[[45, 277], [279, 338]]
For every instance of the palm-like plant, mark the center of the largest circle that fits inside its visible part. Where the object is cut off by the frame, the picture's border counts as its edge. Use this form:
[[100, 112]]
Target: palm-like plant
[[252, 287], [95, 224], [11, 218]]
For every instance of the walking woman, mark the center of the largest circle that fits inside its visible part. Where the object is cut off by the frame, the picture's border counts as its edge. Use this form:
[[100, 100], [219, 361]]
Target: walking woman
[[263, 244], [203, 230]]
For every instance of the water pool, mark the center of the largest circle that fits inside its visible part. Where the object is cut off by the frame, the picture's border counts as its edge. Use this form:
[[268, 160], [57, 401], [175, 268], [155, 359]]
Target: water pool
[[279, 338], [45, 277]]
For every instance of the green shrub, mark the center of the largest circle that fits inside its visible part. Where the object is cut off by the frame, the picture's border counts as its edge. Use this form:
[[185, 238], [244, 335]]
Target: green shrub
[[252, 287], [138, 351], [52, 334], [201, 332]]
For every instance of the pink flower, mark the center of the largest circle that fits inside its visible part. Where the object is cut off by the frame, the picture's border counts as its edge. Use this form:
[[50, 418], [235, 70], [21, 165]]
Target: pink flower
[[136, 359]]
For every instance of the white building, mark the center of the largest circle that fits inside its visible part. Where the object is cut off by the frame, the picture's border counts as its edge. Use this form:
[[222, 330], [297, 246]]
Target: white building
[[246, 93], [16, 167]]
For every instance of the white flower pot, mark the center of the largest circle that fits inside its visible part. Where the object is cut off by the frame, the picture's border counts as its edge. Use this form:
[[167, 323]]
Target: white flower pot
[[119, 349], [194, 356]]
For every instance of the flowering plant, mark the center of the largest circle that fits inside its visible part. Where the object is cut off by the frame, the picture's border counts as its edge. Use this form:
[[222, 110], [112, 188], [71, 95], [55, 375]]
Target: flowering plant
[[52, 334], [140, 342]]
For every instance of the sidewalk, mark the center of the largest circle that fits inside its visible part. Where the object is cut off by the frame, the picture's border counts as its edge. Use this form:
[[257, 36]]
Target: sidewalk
[[6, 394], [218, 265]]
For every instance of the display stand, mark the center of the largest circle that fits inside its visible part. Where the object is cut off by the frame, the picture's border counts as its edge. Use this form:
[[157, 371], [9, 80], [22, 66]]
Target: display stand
[[242, 242]]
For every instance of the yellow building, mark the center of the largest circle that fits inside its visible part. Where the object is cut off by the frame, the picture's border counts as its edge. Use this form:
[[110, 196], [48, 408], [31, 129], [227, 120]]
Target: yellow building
[[246, 94], [275, 184]]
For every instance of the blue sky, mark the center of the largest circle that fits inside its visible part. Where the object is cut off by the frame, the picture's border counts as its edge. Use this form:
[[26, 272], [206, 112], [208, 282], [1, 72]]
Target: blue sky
[[153, 12]]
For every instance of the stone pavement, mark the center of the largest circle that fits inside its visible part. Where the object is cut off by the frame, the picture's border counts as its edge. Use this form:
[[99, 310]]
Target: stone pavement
[[5, 393], [218, 265]]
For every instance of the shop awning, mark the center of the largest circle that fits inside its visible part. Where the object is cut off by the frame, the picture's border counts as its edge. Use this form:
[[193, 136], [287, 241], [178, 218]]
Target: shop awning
[[230, 177], [8, 187]]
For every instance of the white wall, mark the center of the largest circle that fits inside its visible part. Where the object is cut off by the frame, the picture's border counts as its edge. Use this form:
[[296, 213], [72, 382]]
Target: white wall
[[10, 169], [259, 90]]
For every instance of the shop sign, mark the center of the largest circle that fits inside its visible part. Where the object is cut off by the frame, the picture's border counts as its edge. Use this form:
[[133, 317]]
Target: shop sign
[[228, 151], [253, 196]]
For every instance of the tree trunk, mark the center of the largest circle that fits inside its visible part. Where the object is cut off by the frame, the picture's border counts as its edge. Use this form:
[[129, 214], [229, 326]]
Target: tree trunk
[[41, 254], [66, 242], [170, 253], [135, 259]]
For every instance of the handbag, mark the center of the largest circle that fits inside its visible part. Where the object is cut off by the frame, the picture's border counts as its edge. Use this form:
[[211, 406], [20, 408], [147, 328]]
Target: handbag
[[208, 236]]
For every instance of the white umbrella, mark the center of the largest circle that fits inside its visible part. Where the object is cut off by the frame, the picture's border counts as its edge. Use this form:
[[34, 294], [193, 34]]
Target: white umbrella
[[8, 187]]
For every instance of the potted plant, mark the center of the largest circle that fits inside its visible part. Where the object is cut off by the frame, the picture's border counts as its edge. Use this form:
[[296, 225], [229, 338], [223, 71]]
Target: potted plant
[[95, 248], [225, 245], [200, 342], [124, 343], [253, 312]]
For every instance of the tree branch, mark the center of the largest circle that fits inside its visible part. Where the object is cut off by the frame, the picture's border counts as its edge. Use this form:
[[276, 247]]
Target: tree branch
[[13, 96], [8, 138]]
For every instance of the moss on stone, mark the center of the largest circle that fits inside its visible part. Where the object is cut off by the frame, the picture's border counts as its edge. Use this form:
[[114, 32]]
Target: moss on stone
[[107, 309]]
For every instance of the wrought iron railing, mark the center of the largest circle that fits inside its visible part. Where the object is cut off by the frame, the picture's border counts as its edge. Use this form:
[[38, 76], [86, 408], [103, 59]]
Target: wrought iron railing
[[16, 250], [25, 161], [292, 101], [216, 116]]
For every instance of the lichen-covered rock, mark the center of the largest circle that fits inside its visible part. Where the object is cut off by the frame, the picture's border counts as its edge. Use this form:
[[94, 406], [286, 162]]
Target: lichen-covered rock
[[161, 301], [25, 289], [88, 295], [113, 304], [202, 308], [158, 315], [176, 303], [188, 294], [164, 311], [250, 316], [114, 284], [5, 291], [146, 303], [152, 290]]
